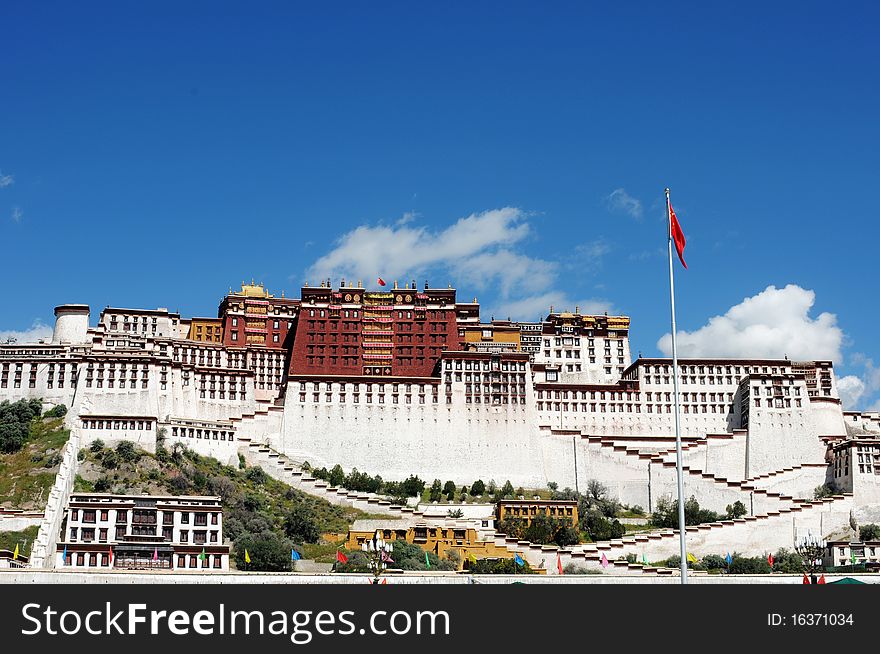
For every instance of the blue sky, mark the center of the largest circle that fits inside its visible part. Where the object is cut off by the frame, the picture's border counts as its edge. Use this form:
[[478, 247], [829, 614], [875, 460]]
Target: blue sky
[[154, 155]]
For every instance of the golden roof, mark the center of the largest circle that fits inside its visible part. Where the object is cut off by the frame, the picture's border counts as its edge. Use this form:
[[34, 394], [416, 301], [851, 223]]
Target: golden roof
[[254, 290]]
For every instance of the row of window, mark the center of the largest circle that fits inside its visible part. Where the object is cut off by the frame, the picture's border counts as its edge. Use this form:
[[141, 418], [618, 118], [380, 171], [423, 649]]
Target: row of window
[[145, 560]]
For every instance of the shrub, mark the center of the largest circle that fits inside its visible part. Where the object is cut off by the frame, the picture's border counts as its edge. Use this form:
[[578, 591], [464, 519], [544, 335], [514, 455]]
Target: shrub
[[542, 529], [597, 527], [869, 532], [457, 513], [637, 510], [127, 453], [736, 510], [57, 411], [96, 446], [102, 484], [15, 421], [666, 513], [436, 491], [825, 490], [256, 475], [300, 525], [267, 551], [500, 567]]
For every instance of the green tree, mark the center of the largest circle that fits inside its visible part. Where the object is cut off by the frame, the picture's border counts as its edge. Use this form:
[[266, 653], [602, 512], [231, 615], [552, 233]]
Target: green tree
[[499, 567], [598, 527], [127, 453], [478, 488], [449, 490], [869, 532], [506, 491], [268, 552], [825, 490], [435, 493], [57, 411], [337, 476], [300, 525], [15, 421], [736, 510]]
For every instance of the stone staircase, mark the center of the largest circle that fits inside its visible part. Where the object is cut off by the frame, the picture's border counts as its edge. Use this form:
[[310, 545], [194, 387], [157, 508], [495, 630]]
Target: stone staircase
[[289, 471], [666, 461], [754, 535]]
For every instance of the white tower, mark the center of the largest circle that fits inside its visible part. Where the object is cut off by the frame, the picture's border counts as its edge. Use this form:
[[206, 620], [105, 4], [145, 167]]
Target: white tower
[[71, 323]]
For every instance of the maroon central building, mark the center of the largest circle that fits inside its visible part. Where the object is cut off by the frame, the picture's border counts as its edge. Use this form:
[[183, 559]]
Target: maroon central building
[[350, 331]]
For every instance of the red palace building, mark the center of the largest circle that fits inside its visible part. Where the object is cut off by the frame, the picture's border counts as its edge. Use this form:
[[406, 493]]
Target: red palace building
[[401, 332]]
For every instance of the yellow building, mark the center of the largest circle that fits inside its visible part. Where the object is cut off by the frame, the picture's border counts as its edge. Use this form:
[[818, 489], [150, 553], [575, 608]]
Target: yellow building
[[497, 336], [441, 540], [207, 330], [528, 509]]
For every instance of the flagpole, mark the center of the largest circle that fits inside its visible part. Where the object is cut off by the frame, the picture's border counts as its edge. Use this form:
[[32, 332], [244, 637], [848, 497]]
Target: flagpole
[[678, 469]]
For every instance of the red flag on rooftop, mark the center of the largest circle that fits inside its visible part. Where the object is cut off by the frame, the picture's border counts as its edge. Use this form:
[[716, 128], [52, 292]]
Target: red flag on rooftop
[[381, 281], [677, 235]]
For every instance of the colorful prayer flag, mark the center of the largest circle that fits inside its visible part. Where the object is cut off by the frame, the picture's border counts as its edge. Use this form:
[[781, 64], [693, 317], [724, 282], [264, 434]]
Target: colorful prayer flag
[[155, 554], [111, 554], [294, 555], [604, 561], [340, 557], [691, 558], [821, 580], [203, 555], [15, 553], [770, 559], [806, 579], [427, 561], [381, 281], [559, 563], [247, 556], [518, 560], [728, 558]]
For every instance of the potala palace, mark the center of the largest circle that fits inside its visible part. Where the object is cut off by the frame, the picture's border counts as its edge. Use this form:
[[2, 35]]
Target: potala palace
[[409, 380]]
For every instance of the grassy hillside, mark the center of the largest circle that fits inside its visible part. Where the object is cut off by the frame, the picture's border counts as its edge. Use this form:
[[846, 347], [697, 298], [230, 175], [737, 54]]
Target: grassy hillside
[[261, 514], [24, 539], [27, 475]]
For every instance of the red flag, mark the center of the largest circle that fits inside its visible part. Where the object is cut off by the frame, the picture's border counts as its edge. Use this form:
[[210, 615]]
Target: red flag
[[340, 557], [806, 579], [770, 560], [821, 580], [111, 555], [381, 281], [384, 582], [559, 564], [677, 235]]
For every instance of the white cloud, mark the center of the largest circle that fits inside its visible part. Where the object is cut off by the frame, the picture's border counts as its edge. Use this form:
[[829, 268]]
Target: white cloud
[[536, 307], [851, 389], [772, 324], [38, 330], [17, 214], [6, 180], [620, 200], [480, 252], [405, 249]]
